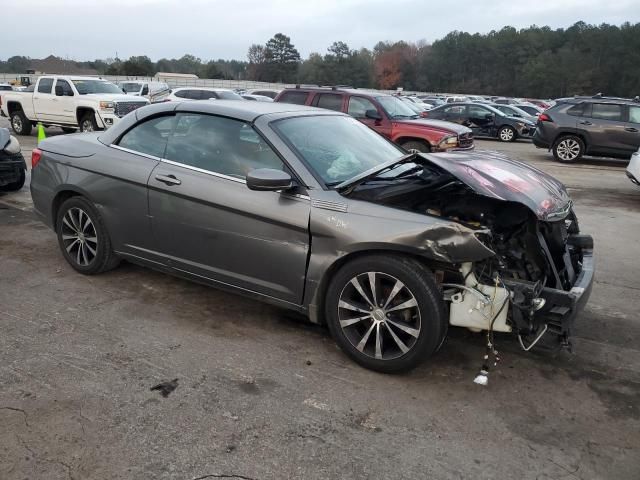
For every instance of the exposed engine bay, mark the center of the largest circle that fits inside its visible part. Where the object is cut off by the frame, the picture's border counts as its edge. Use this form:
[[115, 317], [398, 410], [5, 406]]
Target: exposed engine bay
[[529, 286]]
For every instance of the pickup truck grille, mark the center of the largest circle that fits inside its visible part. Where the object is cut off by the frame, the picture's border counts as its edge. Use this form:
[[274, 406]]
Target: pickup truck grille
[[122, 108], [465, 140]]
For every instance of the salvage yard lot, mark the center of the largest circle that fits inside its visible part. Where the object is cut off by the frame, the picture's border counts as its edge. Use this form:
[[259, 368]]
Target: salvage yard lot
[[261, 394]]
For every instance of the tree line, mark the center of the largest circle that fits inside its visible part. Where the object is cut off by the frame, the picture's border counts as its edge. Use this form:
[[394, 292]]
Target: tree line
[[535, 62]]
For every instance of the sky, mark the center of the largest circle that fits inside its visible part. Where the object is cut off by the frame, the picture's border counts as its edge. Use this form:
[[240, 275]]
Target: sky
[[212, 29]]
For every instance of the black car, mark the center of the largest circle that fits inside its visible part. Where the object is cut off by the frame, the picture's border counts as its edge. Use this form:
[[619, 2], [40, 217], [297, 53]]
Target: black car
[[12, 165], [601, 126], [484, 120]]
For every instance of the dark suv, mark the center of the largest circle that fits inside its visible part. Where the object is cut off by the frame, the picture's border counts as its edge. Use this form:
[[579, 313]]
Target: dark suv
[[387, 115], [596, 125]]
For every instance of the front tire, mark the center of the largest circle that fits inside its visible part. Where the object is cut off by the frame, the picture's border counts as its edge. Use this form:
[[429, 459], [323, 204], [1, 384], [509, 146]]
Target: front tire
[[15, 186], [20, 124], [386, 312], [83, 237], [418, 145], [507, 134], [88, 123], [568, 149]]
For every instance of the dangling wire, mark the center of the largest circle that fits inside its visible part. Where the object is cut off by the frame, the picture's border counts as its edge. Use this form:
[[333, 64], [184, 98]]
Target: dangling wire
[[483, 377]]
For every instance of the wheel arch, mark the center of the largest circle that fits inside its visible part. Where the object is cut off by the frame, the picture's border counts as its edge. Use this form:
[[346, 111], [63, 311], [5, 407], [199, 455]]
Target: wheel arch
[[409, 138], [64, 193], [572, 133], [317, 303], [82, 111], [13, 107]]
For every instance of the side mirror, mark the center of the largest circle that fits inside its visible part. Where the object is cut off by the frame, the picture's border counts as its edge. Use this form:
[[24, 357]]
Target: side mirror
[[145, 91], [59, 91], [490, 116], [373, 114], [268, 179]]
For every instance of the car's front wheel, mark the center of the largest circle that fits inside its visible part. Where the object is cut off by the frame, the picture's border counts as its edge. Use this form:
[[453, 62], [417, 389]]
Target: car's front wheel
[[83, 237], [416, 145], [386, 312], [507, 134], [568, 149], [88, 123]]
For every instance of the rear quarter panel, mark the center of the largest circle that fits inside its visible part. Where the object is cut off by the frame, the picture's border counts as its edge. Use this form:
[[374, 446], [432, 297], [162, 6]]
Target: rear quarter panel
[[115, 181]]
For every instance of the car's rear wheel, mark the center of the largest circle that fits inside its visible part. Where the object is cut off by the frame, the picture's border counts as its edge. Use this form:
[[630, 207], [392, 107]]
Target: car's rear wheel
[[416, 145], [386, 312], [88, 123], [507, 134], [568, 149], [83, 237], [20, 124], [14, 186]]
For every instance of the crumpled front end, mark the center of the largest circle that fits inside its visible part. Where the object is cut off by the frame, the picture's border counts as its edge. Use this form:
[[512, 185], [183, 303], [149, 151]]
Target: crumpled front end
[[539, 273]]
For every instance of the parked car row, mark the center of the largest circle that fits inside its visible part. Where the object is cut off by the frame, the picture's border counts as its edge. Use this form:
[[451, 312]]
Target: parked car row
[[389, 115]]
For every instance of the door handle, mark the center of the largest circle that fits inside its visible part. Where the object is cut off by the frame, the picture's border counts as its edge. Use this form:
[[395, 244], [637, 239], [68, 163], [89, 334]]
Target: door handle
[[585, 122], [168, 180], [631, 129]]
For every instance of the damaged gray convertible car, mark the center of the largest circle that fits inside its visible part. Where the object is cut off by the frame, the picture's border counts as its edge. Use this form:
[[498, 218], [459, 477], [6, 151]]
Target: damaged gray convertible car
[[310, 210]]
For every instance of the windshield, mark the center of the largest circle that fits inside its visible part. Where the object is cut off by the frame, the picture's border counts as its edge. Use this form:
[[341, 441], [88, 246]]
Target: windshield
[[396, 108], [336, 148], [131, 87], [517, 111], [85, 87], [225, 95], [413, 106]]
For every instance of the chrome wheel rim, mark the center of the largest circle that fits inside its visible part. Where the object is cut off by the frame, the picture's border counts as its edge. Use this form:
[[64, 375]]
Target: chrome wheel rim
[[17, 123], [79, 236], [87, 126], [568, 149], [379, 315], [506, 134]]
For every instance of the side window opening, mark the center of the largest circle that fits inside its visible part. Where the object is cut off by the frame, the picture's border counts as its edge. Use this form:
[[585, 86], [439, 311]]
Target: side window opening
[[149, 137], [219, 145], [358, 107]]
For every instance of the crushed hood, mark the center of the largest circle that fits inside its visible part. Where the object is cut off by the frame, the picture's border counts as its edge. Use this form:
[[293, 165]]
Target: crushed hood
[[497, 176]]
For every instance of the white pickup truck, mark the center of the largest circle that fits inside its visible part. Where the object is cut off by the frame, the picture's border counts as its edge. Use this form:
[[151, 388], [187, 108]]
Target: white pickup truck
[[72, 103]]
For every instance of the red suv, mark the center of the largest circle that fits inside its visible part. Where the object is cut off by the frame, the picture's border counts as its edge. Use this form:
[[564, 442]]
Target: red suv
[[387, 115]]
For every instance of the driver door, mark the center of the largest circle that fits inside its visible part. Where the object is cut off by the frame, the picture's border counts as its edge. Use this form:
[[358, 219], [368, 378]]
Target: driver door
[[358, 107], [206, 221], [480, 120]]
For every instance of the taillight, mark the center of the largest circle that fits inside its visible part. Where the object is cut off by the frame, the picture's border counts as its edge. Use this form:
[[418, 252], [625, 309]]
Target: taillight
[[544, 118], [36, 155], [424, 114]]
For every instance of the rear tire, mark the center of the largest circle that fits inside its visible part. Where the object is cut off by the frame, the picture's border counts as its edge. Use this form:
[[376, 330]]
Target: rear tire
[[83, 237], [507, 134], [568, 149], [20, 124], [392, 326], [15, 186], [418, 145]]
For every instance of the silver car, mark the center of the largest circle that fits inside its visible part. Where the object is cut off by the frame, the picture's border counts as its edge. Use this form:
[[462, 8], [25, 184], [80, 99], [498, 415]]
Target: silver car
[[311, 210]]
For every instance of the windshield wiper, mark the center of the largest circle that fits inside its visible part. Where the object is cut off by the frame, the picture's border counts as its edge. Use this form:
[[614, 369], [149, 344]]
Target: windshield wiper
[[362, 177]]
